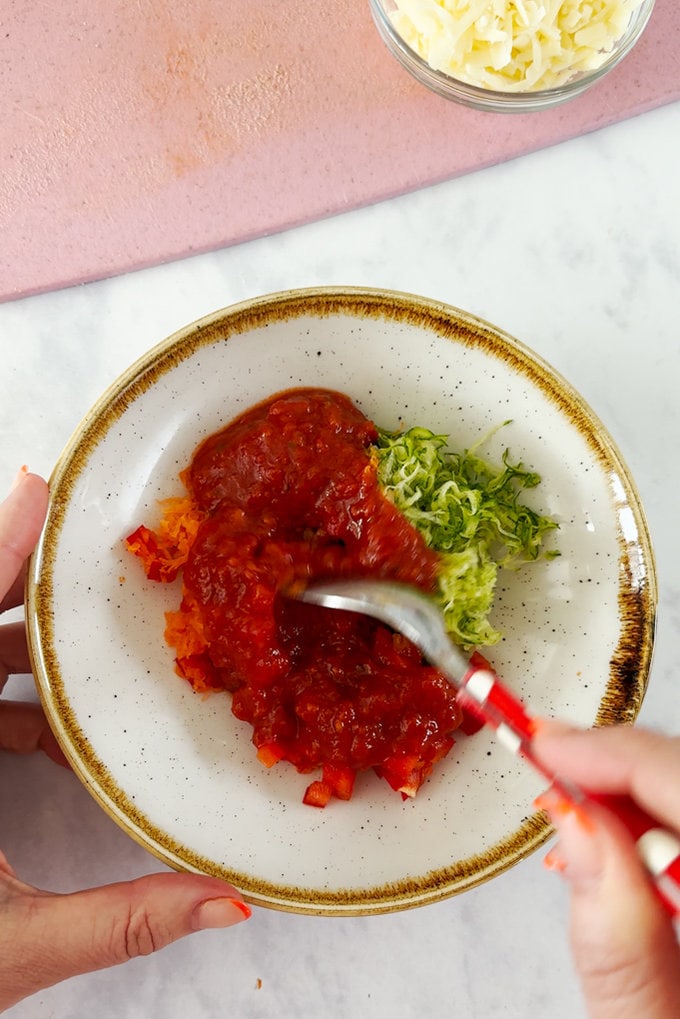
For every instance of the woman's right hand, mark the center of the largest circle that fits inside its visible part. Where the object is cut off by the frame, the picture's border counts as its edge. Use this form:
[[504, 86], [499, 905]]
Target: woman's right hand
[[623, 941]]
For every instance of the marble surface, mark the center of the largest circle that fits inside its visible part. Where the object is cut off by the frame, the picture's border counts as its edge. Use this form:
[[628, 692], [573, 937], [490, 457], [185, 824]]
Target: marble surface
[[574, 250]]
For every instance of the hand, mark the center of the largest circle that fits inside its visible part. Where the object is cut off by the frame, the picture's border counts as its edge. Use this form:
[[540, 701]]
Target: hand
[[45, 938], [623, 941]]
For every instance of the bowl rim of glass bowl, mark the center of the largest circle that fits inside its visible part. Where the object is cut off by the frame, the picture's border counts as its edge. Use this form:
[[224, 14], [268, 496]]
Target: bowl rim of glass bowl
[[493, 100]]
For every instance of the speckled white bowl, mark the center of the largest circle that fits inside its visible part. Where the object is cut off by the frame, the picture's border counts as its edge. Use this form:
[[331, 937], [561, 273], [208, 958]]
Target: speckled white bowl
[[179, 772]]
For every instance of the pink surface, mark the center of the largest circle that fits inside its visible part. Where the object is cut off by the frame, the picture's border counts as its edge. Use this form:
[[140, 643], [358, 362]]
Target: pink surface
[[132, 134]]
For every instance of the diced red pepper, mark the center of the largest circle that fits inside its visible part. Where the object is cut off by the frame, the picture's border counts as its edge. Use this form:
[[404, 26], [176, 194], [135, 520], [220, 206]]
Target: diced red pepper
[[340, 779], [405, 773], [270, 753], [317, 794]]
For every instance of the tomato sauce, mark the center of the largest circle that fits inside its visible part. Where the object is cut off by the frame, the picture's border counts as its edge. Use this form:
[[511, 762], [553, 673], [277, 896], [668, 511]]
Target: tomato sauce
[[287, 494]]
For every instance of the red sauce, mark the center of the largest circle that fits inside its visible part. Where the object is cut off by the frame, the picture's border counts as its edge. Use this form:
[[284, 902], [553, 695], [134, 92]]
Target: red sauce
[[288, 494]]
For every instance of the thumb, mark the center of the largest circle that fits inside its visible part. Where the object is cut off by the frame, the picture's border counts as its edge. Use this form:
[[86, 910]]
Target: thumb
[[623, 940], [47, 938], [22, 515]]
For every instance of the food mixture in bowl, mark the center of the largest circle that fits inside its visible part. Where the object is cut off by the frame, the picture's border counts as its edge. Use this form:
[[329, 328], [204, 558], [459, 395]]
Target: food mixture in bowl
[[304, 487], [513, 45]]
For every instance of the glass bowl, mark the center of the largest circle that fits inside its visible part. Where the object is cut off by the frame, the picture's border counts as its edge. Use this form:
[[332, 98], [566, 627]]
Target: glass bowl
[[482, 98]]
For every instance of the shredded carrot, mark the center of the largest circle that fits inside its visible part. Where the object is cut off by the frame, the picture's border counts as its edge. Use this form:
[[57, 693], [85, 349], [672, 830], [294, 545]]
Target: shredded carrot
[[184, 629], [185, 632], [164, 551], [200, 672]]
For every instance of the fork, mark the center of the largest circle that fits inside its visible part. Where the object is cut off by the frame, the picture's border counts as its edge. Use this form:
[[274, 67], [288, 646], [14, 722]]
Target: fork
[[484, 695]]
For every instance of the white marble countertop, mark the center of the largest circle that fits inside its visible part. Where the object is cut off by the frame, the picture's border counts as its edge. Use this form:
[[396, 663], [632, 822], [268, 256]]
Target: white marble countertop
[[575, 251]]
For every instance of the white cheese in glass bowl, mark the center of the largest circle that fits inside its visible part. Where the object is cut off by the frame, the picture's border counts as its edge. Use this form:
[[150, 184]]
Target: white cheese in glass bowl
[[511, 47], [513, 44]]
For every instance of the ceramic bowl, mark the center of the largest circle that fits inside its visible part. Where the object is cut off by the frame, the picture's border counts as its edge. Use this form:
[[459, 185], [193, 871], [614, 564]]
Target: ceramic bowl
[[178, 771], [521, 101]]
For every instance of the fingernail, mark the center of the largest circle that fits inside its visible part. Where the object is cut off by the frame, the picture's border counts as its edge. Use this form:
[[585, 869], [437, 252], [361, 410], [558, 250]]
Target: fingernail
[[550, 725], [579, 848], [223, 912], [554, 861], [21, 474], [557, 804], [553, 801]]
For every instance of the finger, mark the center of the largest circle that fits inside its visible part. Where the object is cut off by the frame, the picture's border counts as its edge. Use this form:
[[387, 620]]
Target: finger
[[5, 867], [22, 516], [623, 941], [48, 938], [14, 656], [15, 595], [617, 759], [24, 729]]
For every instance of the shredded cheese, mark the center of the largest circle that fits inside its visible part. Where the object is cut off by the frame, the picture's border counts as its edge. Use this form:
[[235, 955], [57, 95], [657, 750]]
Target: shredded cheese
[[513, 46]]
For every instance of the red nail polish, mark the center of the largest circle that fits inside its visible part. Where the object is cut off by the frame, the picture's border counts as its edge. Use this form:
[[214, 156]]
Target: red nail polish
[[554, 861], [220, 912], [553, 802], [21, 474], [559, 807]]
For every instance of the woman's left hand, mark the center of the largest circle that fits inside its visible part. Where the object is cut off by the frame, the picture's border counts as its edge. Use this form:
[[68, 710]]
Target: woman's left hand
[[46, 938]]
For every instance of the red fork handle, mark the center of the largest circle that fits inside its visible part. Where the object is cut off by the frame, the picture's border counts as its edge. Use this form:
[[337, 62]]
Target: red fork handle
[[658, 848], [483, 694]]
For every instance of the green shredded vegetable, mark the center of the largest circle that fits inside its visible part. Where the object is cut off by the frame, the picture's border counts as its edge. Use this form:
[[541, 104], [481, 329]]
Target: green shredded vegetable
[[471, 513]]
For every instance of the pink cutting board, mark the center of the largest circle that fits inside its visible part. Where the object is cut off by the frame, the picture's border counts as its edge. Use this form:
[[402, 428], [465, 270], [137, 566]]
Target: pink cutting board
[[135, 133]]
